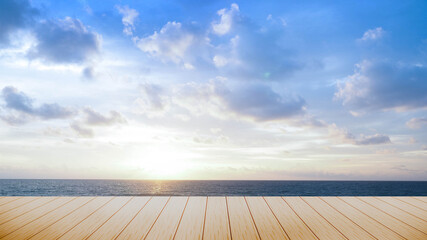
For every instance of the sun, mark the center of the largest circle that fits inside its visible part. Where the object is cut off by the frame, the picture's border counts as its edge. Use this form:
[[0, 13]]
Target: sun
[[164, 162]]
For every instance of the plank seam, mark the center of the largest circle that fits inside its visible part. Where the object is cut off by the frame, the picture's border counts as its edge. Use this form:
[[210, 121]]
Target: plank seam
[[299, 217], [157, 218], [253, 220], [109, 218], [276, 217], [204, 219], [13, 199], [28, 211], [61, 218], [228, 215], [133, 218], [38, 217], [324, 218], [85, 218], [391, 215], [182, 214], [347, 217], [370, 217], [417, 198], [411, 204], [399, 208], [25, 203]]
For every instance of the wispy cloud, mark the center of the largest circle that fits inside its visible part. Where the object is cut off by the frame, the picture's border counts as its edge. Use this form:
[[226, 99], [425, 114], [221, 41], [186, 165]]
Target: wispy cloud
[[129, 17], [373, 34]]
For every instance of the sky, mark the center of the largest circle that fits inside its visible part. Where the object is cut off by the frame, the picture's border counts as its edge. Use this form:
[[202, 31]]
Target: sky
[[253, 90]]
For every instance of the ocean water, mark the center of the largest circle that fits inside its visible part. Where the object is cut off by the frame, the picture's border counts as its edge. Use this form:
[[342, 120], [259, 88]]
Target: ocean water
[[30, 187]]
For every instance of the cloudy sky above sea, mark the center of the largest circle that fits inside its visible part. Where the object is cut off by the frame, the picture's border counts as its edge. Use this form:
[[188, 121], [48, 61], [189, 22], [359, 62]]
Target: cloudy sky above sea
[[213, 89]]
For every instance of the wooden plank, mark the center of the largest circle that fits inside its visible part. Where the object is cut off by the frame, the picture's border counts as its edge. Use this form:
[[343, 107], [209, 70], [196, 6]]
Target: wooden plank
[[25, 208], [405, 207], [374, 227], [5, 200], [414, 202], [347, 227], [216, 222], [322, 228], [168, 221], [193, 219], [396, 213], [28, 217], [423, 199], [16, 204], [241, 222], [85, 228], [41, 223], [144, 220], [289, 220], [401, 228], [267, 224], [57, 229], [112, 228]]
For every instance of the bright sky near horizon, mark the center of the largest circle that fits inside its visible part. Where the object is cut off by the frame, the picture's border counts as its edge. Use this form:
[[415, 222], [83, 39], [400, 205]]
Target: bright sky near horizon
[[213, 89]]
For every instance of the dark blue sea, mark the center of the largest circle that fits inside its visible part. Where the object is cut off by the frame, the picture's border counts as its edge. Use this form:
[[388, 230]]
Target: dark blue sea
[[29, 187]]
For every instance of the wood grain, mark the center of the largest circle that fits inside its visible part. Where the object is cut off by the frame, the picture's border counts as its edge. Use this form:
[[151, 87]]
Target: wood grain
[[112, 228], [63, 225], [169, 219], [216, 222], [45, 218], [398, 226], [347, 227], [193, 219], [322, 228], [144, 220], [241, 223], [289, 220], [267, 224]]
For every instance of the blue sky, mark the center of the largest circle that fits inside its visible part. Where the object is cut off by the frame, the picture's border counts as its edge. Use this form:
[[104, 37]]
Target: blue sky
[[213, 89]]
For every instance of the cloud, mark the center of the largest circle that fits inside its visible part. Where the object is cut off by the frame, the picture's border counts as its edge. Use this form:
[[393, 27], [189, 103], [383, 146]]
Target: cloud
[[129, 17], [254, 100], [236, 47], [88, 73], [14, 15], [260, 102], [81, 130], [65, 41], [253, 52], [384, 86], [373, 34], [153, 97], [344, 136], [23, 109], [93, 118], [373, 140], [175, 42], [223, 26], [416, 123]]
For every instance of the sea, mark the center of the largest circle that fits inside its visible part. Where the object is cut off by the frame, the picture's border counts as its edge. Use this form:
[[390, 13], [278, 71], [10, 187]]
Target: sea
[[60, 187]]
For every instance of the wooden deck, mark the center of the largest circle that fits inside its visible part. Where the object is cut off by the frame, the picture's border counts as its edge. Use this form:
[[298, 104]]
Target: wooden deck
[[213, 218]]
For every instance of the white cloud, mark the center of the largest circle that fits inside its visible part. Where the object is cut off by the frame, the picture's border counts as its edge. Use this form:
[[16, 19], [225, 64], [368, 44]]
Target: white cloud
[[373, 34], [384, 86], [129, 17], [416, 123], [220, 61], [172, 43], [224, 25]]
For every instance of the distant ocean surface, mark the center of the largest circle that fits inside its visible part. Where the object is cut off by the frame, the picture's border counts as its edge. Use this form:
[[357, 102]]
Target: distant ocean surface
[[27, 187]]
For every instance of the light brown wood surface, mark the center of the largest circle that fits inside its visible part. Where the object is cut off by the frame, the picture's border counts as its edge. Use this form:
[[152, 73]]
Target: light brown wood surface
[[319, 225], [216, 222], [213, 218]]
